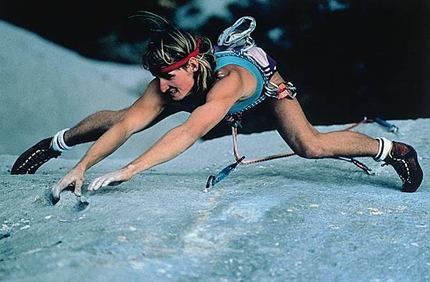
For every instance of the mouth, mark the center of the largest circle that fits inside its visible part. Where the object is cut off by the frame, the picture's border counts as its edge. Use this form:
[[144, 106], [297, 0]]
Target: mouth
[[172, 92]]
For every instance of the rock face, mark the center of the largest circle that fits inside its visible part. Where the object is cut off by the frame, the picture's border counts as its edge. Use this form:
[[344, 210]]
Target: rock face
[[286, 220]]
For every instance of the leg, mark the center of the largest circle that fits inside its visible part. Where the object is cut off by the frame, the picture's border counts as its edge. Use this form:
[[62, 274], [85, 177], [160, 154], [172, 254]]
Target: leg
[[307, 142], [95, 125], [92, 127], [89, 129]]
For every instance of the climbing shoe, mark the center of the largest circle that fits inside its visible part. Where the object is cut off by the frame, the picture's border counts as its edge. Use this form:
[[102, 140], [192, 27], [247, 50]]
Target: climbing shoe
[[404, 159], [33, 158]]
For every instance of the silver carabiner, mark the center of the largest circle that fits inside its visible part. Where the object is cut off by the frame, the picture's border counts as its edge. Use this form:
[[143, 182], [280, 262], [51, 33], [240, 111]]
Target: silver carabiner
[[238, 33]]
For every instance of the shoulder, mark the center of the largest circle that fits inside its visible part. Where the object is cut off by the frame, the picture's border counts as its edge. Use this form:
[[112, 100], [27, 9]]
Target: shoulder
[[236, 76], [227, 70], [234, 81], [233, 73]]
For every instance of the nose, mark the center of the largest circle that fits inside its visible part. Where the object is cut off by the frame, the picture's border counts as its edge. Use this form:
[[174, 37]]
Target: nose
[[164, 86]]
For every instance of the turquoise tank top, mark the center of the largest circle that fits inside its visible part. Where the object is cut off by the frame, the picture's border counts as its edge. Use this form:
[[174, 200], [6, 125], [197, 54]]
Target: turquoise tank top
[[229, 58]]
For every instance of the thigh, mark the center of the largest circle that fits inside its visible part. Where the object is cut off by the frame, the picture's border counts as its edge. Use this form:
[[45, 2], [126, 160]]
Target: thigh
[[291, 121]]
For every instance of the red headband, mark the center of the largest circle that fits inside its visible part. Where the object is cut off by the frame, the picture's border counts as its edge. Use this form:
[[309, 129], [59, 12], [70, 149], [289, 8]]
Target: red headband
[[183, 61]]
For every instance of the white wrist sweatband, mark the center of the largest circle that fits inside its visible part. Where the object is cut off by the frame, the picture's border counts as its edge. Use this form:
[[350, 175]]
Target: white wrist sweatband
[[58, 143]]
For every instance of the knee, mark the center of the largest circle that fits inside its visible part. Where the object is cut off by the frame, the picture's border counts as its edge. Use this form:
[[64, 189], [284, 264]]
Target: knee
[[309, 149]]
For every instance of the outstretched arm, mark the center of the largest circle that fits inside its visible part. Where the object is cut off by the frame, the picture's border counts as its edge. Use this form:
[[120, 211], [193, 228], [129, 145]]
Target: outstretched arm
[[222, 96], [172, 144], [137, 117]]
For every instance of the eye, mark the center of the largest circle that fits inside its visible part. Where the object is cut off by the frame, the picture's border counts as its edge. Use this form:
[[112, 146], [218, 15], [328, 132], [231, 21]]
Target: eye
[[167, 76]]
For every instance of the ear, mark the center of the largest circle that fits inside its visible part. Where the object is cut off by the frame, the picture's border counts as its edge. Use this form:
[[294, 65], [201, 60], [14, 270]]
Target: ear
[[193, 64]]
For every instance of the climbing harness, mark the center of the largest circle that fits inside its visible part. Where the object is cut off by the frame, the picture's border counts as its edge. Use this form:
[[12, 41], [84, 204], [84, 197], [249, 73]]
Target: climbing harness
[[236, 41], [240, 160]]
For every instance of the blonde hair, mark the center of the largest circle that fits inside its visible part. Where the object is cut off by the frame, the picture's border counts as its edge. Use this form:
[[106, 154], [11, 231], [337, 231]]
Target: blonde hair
[[169, 44]]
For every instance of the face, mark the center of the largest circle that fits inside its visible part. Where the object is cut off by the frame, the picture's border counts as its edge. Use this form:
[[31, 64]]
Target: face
[[178, 83]]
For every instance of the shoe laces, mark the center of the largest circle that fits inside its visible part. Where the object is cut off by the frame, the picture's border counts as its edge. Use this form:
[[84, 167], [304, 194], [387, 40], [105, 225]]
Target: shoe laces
[[400, 158]]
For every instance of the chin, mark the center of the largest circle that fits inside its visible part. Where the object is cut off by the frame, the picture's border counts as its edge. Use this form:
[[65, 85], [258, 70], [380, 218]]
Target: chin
[[179, 97], [176, 98]]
